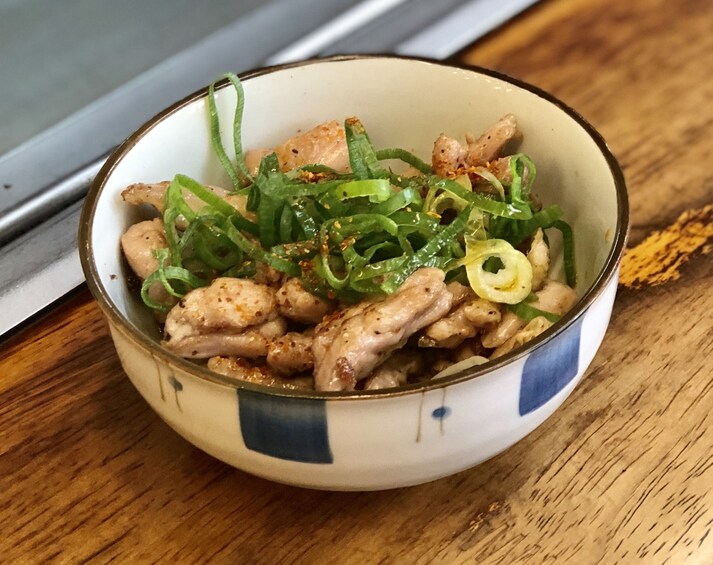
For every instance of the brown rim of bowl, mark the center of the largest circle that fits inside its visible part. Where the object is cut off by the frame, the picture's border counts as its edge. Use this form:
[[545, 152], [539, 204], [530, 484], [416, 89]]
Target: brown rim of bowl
[[128, 330]]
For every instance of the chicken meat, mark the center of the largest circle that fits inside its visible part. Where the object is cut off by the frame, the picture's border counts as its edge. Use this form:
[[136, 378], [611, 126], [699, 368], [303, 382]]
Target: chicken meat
[[349, 345], [229, 317]]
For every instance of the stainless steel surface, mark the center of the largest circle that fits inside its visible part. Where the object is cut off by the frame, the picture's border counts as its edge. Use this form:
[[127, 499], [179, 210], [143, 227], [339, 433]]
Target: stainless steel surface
[[58, 196], [461, 26], [51, 171], [58, 56], [39, 267], [360, 16], [393, 29], [96, 128]]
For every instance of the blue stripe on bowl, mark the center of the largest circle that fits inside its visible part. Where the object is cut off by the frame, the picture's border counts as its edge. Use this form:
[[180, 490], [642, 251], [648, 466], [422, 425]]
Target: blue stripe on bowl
[[550, 368], [287, 428]]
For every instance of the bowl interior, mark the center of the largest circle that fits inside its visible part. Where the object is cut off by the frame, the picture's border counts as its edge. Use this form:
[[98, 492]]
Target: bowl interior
[[403, 103]]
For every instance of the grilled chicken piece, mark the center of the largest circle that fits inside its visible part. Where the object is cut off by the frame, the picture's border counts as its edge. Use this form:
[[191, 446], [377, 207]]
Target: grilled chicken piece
[[138, 244], [325, 144], [449, 155], [501, 170], [154, 194], [255, 373], [291, 353], [349, 345], [508, 326], [463, 322], [229, 317], [534, 328], [251, 343], [468, 316], [253, 158], [459, 292], [554, 297], [395, 371], [295, 303], [481, 313], [490, 145], [539, 258]]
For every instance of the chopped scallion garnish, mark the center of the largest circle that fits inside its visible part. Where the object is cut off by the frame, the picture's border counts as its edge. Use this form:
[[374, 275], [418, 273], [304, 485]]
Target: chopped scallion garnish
[[350, 235]]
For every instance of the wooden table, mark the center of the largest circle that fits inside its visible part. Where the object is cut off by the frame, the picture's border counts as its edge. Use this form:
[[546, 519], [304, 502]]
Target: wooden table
[[622, 473]]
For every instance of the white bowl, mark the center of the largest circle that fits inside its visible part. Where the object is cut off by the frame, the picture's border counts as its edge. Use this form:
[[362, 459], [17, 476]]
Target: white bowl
[[381, 439]]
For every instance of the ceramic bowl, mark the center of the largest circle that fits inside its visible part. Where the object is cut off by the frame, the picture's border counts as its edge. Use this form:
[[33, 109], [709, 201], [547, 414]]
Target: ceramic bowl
[[382, 439]]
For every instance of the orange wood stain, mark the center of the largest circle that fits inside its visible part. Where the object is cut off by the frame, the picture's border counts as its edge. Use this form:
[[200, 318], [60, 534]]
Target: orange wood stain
[[659, 258]]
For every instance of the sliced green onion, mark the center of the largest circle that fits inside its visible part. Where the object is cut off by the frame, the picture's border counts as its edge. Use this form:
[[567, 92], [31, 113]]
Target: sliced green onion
[[399, 200], [428, 251], [350, 234], [363, 223], [570, 269], [165, 274], [515, 232], [510, 284], [253, 198], [296, 251], [237, 126], [257, 253], [216, 141], [243, 224], [378, 269], [325, 270], [486, 175], [331, 206], [377, 190], [171, 213], [415, 222], [267, 214], [482, 202], [521, 166], [528, 313], [205, 194], [286, 218], [246, 269], [306, 222], [207, 241], [406, 157], [362, 156], [316, 168]]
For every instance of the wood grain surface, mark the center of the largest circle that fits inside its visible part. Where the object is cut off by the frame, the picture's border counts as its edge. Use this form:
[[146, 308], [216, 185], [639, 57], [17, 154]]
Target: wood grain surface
[[622, 473]]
